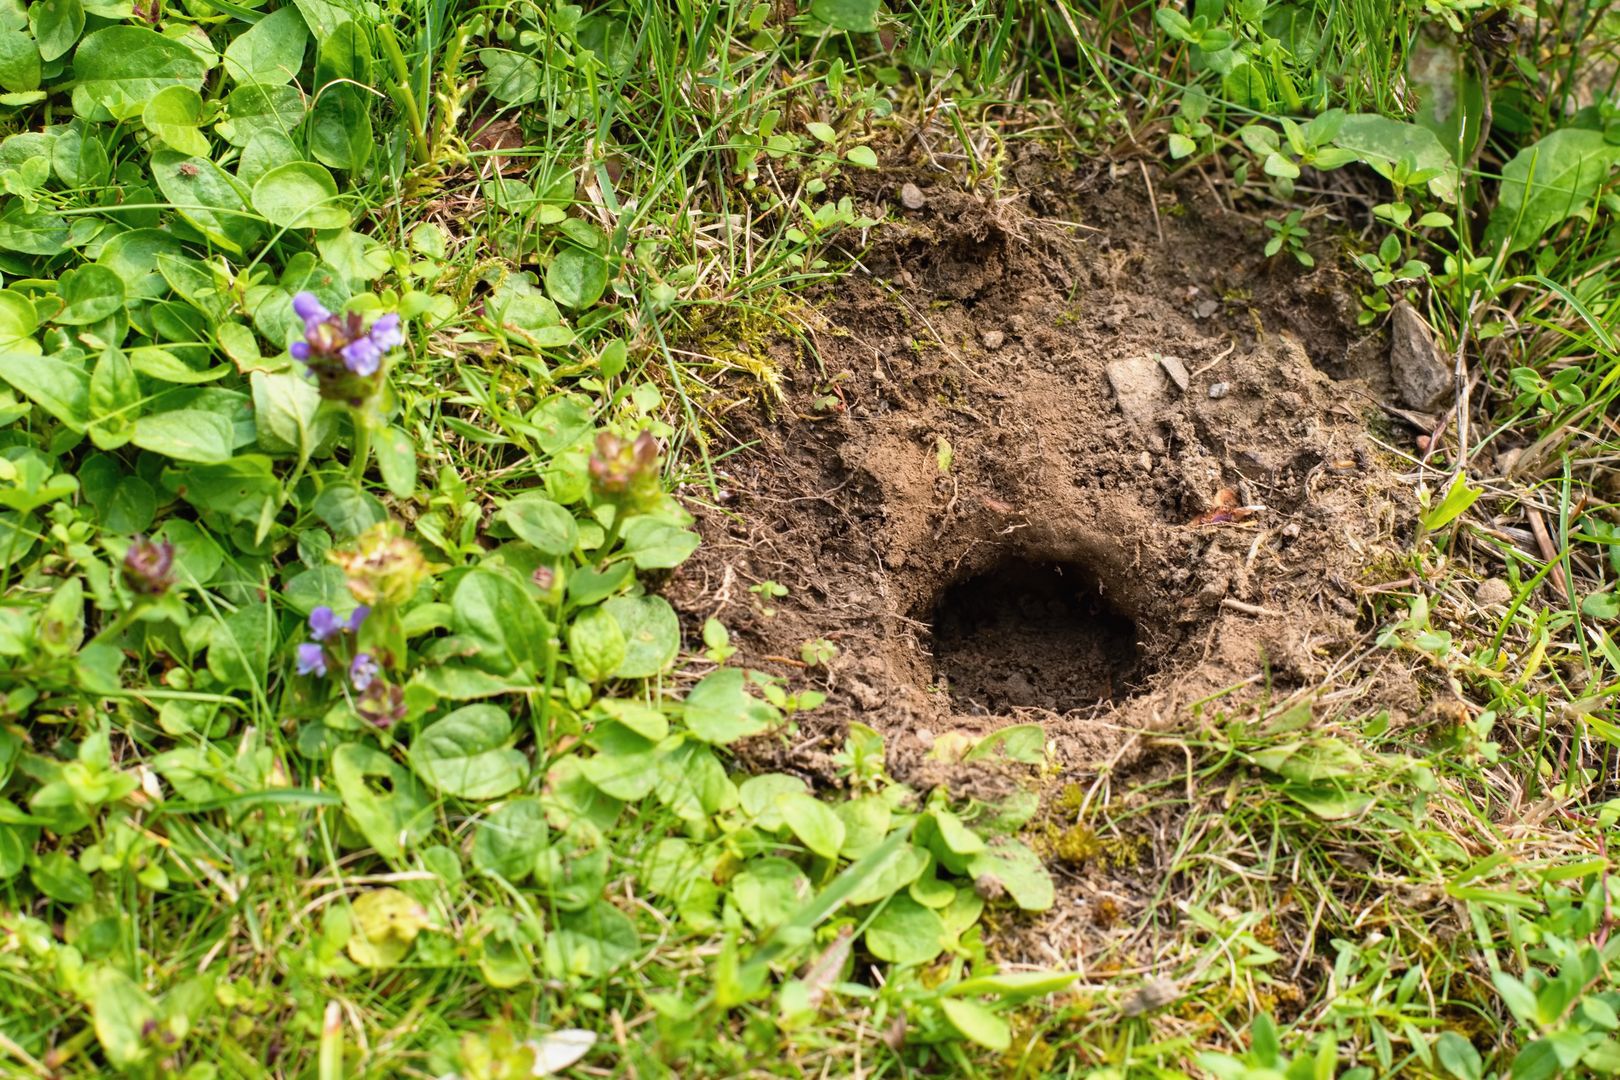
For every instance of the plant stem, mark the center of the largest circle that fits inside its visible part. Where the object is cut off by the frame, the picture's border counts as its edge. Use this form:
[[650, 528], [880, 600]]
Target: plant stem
[[403, 96], [362, 446]]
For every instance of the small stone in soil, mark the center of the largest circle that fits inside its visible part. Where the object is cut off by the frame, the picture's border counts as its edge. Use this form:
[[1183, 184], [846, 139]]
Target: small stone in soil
[[1219, 390], [1205, 308], [911, 196], [1492, 591], [992, 339], [1421, 374], [1176, 370]]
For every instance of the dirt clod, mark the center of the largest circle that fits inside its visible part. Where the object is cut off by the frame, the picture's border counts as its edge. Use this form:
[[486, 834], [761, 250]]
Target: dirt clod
[[992, 339], [911, 196]]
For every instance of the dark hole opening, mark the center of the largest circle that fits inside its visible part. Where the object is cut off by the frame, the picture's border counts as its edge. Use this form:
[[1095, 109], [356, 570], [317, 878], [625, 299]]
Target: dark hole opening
[[1036, 634]]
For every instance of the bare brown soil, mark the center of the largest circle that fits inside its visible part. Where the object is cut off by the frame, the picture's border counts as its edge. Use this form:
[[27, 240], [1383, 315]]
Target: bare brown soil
[[1051, 467]]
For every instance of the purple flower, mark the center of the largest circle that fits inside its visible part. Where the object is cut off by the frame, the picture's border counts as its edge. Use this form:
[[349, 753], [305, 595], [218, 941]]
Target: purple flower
[[385, 333], [342, 353], [362, 671], [307, 307], [311, 660], [358, 618], [323, 623], [362, 356]]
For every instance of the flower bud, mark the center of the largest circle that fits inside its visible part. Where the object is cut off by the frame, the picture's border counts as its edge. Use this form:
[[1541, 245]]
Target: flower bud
[[383, 566], [149, 566]]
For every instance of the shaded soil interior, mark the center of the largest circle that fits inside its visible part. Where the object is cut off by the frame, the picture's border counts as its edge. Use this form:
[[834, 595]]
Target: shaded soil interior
[[1041, 635], [1082, 458]]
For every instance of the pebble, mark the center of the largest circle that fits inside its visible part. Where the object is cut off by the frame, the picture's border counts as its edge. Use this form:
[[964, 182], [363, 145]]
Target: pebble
[[1219, 390], [1492, 591], [992, 339], [911, 196]]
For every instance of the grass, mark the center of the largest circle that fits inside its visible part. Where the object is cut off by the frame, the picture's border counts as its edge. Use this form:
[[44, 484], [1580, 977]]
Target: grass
[[212, 865]]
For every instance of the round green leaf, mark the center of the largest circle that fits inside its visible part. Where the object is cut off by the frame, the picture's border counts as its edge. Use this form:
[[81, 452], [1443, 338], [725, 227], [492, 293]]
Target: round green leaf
[[652, 635], [89, 294], [537, 520], [299, 195], [769, 892], [509, 841], [905, 932], [174, 114], [576, 278], [856, 16], [469, 754], [117, 70]]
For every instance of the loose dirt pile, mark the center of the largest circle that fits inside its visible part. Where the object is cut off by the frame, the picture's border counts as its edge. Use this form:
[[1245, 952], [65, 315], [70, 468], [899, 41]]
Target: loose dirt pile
[[1053, 467]]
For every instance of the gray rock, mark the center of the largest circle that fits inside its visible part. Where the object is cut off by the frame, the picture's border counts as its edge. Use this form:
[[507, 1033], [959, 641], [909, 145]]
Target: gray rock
[[911, 196], [1138, 385], [1422, 376], [992, 339], [1219, 390]]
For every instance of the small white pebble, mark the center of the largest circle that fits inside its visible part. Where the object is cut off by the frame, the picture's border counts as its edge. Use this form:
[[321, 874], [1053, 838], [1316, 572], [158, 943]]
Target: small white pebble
[[911, 197], [1218, 390], [992, 339]]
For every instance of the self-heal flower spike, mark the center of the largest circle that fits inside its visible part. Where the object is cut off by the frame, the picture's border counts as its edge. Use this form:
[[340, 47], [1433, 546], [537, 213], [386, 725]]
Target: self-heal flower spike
[[362, 671], [149, 566], [311, 660], [344, 356], [323, 623]]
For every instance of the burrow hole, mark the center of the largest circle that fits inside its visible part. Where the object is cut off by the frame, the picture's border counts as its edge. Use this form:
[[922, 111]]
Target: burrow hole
[[1032, 633]]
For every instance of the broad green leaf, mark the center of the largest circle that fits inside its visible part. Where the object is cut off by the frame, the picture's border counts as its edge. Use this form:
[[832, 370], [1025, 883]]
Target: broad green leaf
[[905, 932], [186, 435], [122, 1012], [57, 25], [576, 277], [60, 388], [854, 16], [720, 710], [240, 648], [89, 293], [591, 944], [1016, 984], [385, 922], [652, 635], [18, 318], [596, 645], [813, 822], [509, 840], [284, 408], [469, 754], [19, 62], [119, 69], [977, 1023], [299, 195], [271, 52], [654, 544], [386, 802], [537, 520], [30, 232], [174, 115], [768, 892], [340, 129], [396, 460], [1459, 497], [207, 197], [1382, 143], [501, 621], [1019, 871], [1546, 183]]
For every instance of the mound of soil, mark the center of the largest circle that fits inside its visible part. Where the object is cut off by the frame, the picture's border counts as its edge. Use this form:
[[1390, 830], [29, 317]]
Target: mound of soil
[[1051, 466]]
